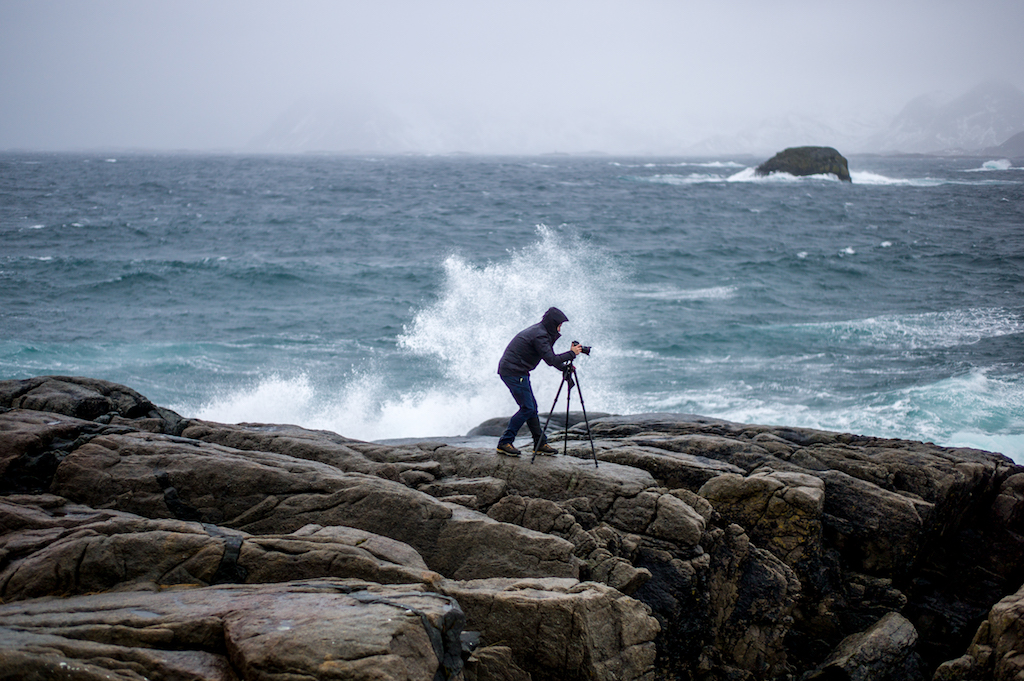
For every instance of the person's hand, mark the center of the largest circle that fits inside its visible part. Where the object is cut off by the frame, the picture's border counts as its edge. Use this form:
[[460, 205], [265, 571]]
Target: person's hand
[[577, 348]]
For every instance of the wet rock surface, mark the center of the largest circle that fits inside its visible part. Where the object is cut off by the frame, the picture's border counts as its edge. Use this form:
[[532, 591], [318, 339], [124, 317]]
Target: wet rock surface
[[801, 161], [695, 549]]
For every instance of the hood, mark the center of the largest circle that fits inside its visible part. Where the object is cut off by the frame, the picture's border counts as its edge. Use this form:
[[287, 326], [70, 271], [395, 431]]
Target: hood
[[552, 318]]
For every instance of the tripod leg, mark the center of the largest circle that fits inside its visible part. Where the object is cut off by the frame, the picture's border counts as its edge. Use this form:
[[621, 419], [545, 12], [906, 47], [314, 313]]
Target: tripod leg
[[568, 399], [546, 422], [593, 451]]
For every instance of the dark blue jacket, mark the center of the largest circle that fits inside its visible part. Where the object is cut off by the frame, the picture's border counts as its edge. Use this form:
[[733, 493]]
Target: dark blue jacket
[[533, 344]]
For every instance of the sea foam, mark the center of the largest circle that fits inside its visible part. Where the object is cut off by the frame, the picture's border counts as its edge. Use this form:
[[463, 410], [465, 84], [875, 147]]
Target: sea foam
[[478, 309], [949, 328]]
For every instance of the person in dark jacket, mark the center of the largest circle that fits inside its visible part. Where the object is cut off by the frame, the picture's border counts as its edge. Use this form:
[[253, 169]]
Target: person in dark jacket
[[523, 354]]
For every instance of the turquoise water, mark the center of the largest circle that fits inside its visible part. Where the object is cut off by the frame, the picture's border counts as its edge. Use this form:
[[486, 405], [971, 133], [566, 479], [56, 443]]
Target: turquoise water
[[373, 296]]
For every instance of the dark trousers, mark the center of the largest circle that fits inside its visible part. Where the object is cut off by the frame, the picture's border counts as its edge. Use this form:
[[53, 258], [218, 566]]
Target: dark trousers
[[522, 393]]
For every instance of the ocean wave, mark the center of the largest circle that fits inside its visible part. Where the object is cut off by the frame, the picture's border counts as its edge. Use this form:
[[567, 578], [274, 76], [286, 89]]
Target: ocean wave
[[747, 175], [857, 177], [971, 410], [864, 177], [675, 294], [997, 164], [680, 164], [869, 178], [461, 335], [945, 329], [692, 178]]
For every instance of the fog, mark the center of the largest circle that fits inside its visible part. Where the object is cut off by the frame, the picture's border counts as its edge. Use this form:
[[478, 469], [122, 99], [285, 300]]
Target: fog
[[446, 76]]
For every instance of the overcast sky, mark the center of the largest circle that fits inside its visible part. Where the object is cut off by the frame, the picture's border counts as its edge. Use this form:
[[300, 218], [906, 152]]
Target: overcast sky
[[92, 74]]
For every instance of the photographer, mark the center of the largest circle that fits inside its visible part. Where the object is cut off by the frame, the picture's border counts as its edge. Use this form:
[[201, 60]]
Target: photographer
[[522, 356]]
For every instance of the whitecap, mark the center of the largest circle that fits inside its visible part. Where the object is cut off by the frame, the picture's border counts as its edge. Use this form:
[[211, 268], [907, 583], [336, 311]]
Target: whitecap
[[945, 329], [696, 164], [802, 254], [750, 175], [1010, 444], [848, 251], [668, 293], [867, 177], [987, 166], [970, 410], [885, 244]]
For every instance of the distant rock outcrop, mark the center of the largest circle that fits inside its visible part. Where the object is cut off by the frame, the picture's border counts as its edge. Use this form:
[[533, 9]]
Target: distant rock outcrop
[[803, 161], [138, 544]]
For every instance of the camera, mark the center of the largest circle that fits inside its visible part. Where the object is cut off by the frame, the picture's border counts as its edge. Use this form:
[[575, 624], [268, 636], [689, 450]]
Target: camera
[[585, 349]]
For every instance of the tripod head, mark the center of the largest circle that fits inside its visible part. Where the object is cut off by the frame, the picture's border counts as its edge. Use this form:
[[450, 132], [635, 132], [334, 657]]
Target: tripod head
[[567, 374]]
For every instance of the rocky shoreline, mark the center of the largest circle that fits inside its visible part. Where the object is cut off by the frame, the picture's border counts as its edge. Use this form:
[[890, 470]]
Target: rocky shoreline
[[137, 544]]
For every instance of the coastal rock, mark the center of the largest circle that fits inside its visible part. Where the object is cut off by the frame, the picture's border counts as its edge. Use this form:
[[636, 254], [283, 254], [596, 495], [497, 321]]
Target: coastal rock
[[316, 445], [751, 597], [160, 476], [485, 492], [562, 629], [314, 629], [556, 478], [780, 510], [675, 469], [32, 443], [607, 555], [885, 652], [802, 161], [759, 550], [88, 399], [890, 507], [494, 663], [52, 547], [997, 651]]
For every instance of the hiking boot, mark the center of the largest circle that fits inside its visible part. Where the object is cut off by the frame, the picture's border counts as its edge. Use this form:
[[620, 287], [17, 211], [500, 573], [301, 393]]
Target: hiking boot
[[545, 449], [507, 449]]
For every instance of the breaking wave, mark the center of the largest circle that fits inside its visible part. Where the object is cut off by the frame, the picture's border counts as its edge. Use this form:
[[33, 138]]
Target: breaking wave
[[458, 338]]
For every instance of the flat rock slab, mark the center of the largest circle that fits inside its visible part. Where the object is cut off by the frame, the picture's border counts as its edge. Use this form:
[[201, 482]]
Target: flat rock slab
[[263, 493], [315, 629], [51, 547], [557, 478], [674, 469]]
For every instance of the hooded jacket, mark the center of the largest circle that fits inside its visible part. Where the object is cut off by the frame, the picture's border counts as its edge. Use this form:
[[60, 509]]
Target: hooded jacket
[[533, 344]]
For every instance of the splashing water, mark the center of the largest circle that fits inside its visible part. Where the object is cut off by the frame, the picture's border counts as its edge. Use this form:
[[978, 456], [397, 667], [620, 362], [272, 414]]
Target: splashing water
[[462, 335]]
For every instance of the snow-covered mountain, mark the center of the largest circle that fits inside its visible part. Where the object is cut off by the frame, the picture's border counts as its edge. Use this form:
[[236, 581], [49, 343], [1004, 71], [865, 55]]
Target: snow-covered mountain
[[986, 116], [981, 119]]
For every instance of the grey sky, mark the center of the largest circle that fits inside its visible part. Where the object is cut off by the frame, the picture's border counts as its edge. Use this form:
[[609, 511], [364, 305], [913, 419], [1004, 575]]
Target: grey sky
[[78, 74]]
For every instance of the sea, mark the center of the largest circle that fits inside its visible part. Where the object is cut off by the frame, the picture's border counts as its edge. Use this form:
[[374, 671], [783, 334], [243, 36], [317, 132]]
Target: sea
[[372, 296]]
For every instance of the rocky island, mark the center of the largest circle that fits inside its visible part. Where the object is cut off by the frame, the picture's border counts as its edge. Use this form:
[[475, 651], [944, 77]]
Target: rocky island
[[137, 544], [803, 161]]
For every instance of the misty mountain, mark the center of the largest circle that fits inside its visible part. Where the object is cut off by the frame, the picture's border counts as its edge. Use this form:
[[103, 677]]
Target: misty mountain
[[1011, 148], [975, 122], [790, 130], [986, 116], [355, 125]]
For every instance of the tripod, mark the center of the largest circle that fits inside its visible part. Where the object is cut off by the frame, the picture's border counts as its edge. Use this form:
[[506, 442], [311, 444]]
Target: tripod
[[570, 377]]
